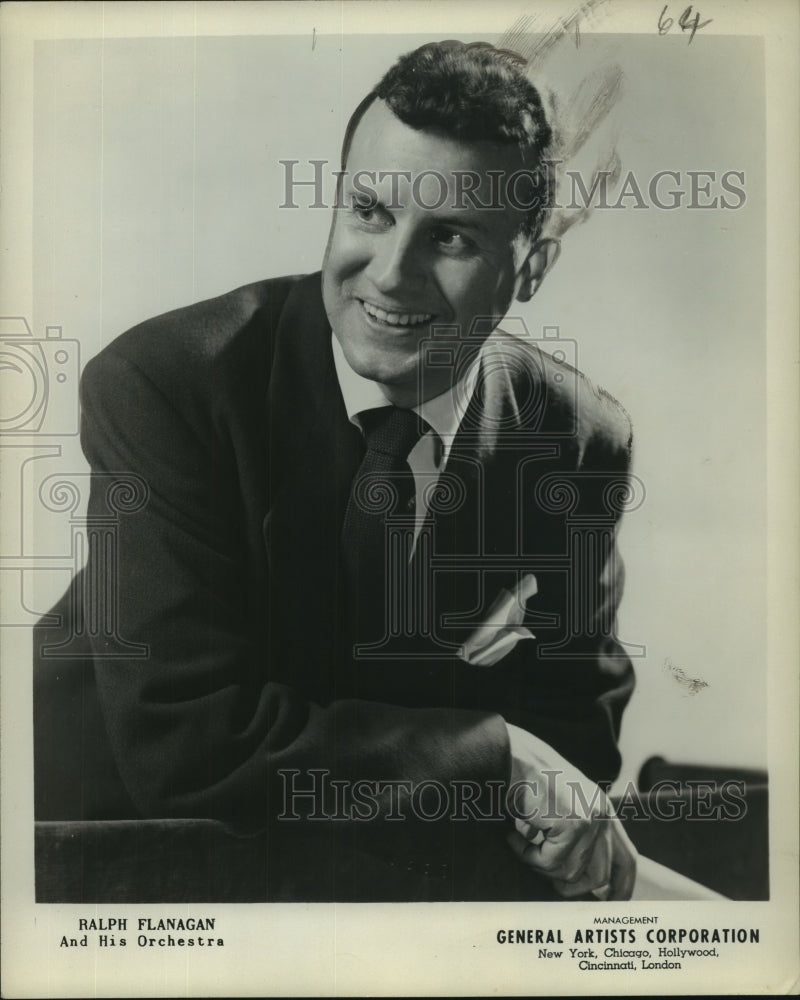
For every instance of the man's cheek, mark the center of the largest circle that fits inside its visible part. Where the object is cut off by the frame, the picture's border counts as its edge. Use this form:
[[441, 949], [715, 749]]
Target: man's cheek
[[349, 255], [466, 281]]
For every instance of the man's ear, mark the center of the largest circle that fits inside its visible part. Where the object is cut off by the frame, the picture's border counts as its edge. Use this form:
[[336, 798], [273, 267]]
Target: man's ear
[[541, 257]]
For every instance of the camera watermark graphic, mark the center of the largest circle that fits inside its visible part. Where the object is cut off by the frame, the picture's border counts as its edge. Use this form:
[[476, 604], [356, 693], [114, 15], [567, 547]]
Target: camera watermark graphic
[[92, 611], [38, 380], [39, 412]]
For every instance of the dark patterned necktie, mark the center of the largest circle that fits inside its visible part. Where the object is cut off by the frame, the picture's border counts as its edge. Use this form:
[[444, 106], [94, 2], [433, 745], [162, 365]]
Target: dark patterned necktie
[[382, 492]]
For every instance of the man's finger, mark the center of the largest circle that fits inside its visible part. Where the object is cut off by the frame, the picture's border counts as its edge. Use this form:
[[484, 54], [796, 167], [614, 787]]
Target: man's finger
[[531, 833], [594, 876], [589, 859], [524, 849], [558, 854]]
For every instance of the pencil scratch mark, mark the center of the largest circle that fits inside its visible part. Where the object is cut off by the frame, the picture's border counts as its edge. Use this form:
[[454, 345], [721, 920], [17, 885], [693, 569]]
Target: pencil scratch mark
[[313, 38], [693, 685], [575, 116], [520, 36]]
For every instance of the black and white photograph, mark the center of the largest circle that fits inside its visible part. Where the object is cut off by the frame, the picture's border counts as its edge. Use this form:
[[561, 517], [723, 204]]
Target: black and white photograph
[[399, 457]]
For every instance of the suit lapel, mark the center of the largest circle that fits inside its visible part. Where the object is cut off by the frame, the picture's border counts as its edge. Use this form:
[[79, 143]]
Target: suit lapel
[[475, 542], [461, 533]]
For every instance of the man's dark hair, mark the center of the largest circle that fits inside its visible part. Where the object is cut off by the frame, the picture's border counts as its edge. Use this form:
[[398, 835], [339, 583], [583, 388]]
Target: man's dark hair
[[474, 92]]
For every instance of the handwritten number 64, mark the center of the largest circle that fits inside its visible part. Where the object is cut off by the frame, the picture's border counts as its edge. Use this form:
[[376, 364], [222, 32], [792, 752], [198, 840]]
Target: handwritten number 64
[[686, 22]]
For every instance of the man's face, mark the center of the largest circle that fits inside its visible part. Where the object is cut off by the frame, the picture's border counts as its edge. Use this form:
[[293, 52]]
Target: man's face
[[394, 267]]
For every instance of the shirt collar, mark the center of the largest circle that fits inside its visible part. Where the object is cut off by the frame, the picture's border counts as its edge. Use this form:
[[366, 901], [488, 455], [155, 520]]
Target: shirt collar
[[444, 412]]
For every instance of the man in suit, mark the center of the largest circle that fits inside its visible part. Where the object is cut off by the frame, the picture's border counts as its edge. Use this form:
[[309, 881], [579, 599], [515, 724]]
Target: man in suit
[[322, 662]]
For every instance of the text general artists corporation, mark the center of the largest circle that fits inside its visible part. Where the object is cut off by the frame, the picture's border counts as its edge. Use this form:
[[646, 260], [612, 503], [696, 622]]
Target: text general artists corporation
[[669, 945]]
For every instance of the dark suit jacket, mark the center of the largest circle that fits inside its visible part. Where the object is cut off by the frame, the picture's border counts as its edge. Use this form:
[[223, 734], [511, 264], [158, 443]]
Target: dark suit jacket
[[230, 412]]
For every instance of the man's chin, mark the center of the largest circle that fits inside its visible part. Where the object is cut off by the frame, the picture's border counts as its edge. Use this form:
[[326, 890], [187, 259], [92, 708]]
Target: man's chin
[[385, 372], [395, 372]]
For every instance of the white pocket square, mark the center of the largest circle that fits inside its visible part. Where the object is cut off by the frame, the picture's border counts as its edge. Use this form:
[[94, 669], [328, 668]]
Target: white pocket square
[[503, 628]]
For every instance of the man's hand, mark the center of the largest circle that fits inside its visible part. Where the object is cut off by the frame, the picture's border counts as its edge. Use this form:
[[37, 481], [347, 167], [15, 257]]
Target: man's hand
[[565, 826]]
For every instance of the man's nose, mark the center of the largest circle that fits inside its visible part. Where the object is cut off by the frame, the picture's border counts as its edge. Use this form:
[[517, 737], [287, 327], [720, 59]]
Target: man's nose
[[397, 263]]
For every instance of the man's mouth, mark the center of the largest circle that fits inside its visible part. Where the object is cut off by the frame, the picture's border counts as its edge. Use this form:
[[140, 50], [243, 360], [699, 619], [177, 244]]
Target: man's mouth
[[398, 319]]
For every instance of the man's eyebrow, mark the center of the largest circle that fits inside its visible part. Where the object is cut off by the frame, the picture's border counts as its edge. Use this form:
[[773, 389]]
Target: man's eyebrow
[[464, 220]]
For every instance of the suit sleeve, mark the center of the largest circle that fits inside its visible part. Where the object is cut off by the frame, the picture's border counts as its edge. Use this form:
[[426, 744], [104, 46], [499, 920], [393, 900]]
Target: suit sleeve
[[196, 727]]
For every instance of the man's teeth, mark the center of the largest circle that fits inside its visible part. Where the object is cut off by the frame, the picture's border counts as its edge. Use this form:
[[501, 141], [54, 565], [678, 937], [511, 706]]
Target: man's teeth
[[396, 319]]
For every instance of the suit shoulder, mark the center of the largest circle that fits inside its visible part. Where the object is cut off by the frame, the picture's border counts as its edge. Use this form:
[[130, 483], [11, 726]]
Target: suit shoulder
[[228, 330], [603, 416], [561, 398]]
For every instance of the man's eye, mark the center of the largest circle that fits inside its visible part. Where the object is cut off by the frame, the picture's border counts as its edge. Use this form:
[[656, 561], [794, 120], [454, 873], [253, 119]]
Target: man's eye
[[452, 240], [368, 212]]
